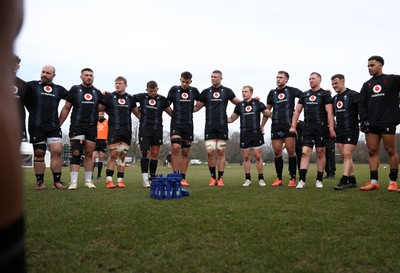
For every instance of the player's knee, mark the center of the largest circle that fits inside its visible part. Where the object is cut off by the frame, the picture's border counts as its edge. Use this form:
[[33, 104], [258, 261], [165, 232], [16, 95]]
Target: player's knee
[[76, 147], [39, 152]]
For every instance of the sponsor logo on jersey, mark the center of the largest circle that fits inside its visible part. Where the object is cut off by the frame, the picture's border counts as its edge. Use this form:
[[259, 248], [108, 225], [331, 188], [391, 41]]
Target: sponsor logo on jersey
[[152, 102], [248, 108], [377, 88], [216, 95], [121, 101], [14, 89], [281, 96], [339, 104], [185, 95], [47, 89], [100, 127], [313, 98], [88, 97]]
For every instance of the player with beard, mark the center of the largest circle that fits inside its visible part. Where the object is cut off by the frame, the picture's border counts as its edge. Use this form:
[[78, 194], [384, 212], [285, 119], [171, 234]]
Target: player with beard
[[152, 105], [182, 97], [84, 100], [318, 114], [282, 101], [215, 99], [101, 143], [345, 107], [42, 99], [379, 115]]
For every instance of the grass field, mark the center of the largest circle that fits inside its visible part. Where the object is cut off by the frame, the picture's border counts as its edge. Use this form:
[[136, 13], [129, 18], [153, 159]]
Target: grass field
[[230, 229]]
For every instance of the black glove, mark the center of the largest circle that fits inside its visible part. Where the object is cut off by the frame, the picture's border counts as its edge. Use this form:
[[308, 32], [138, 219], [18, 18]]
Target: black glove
[[364, 127]]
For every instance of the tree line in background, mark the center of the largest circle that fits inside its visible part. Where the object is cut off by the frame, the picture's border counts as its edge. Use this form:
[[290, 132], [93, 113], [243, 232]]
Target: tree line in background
[[233, 152]]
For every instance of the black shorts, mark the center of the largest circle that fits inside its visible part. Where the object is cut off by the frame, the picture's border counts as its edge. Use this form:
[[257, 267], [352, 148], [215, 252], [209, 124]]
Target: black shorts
[[116, 136], [281, 131], [382, 130], [150, 137], [251, 140], [220, 132], [185, 131], [315, 134], [347, 136], [101, 145], [88, 131], [39, 134]]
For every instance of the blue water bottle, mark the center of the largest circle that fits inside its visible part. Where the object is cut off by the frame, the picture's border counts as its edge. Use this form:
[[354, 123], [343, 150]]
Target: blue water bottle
[[160, 188]]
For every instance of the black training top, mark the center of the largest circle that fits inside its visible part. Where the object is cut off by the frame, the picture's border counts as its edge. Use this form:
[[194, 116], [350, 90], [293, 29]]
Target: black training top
[[19, 91], [283, 102], [216, 101], [42, 102], [85, 102], [151, 109], [314, 106], [119, 109], [345, 106], [183, 102], [249, 113], [379, 100]]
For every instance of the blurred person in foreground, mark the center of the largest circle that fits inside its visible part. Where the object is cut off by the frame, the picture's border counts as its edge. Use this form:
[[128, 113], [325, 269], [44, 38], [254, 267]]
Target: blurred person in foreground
[[12, 246]]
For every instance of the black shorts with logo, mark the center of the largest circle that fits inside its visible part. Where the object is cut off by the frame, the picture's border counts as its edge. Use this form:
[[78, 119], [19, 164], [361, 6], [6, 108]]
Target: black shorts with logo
[[42, 133], [251, 140], [388, 129], [220, 132], [349, 136], [150, 137], [315, 134], [281, 131], [185, 131], [116, 136], [89, 131]]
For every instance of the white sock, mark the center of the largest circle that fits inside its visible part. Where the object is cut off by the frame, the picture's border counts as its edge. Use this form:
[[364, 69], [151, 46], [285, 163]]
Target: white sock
[[74, 176], [145, 176], [374, 181], [88, 175]]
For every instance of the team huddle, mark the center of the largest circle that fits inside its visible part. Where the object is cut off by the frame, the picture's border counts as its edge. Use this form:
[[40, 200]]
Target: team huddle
[[374, 111]]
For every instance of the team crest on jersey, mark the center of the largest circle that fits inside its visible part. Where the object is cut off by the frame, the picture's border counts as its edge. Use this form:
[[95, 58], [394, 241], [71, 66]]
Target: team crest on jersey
[[121, 101], [185, 95], [281, 96], [88, 97], [339, 104], [248, 108], [14, 89], [216, 95], [48, 89], [152, 102], [101, 127], [313, 98], [377, 88]]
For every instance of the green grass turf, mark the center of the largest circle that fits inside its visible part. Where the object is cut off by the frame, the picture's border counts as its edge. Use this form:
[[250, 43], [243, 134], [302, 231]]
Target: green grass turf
[[230, 229]]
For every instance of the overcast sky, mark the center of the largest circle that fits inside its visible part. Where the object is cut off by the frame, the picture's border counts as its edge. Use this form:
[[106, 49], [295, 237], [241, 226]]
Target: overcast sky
[[249, 41]]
